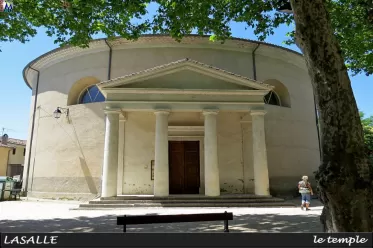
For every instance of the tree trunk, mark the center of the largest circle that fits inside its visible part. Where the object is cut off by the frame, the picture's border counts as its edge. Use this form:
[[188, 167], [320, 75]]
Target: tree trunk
[[344, 178]]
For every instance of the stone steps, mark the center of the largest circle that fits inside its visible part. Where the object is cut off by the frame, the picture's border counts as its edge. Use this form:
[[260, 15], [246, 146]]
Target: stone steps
[[182, 205], [176, 201], [186, 197], [184, 201]]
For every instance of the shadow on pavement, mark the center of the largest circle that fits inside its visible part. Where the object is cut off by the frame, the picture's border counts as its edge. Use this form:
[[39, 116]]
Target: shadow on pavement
[[314, 202], [242, 223]]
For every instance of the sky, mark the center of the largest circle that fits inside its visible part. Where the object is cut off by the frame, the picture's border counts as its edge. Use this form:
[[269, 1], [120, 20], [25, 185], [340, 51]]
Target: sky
[[15, 96]]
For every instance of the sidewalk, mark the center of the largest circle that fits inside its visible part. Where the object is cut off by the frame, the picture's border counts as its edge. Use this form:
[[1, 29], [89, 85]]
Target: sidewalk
[[56, 216]]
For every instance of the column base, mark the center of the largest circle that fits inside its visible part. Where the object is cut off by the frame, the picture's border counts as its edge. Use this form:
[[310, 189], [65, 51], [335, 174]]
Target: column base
[[261, 191], [161, 195], [212, 195]]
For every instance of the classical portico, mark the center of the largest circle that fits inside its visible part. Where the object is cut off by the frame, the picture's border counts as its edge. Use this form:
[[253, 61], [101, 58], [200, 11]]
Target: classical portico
[[184, 86]]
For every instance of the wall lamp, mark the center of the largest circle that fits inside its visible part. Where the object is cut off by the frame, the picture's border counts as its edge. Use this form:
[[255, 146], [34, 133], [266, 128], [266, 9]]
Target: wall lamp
[[57, 113]]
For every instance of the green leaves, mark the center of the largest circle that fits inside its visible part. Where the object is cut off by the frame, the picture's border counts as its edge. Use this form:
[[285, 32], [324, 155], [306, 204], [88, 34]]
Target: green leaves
[[367, 124], [354, 31], [73, 21], [77, 21], [179, 18], [14, 26], [212, 38]]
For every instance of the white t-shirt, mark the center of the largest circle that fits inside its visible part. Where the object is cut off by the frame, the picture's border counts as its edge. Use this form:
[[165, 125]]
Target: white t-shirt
[[304, 187]]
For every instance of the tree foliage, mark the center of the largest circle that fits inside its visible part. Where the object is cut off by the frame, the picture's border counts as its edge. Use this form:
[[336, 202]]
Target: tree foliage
[[352, 21], [353, 25], [76, 21], [73, 22], [367, 124]]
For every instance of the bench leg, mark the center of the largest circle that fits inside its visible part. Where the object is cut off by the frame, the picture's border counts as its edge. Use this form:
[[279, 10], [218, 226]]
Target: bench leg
[[226, 226], [124, 228]]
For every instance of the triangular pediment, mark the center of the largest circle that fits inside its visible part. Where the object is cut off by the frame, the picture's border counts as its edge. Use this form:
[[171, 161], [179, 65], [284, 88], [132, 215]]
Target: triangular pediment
[[188, 80], [184, 74]]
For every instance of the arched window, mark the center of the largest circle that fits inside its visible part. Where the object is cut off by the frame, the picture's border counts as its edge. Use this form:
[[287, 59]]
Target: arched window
[[280, 96], [272, 99], [91, 94]]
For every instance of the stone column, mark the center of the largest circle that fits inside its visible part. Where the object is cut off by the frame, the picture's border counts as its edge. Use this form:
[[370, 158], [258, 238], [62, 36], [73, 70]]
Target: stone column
[[121, 142], [247, 148], [110, 167], [161, 173], [261, 179], [212, 182]]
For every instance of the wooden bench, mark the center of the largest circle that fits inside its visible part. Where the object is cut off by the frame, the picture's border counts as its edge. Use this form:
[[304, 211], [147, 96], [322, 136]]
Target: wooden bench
[[152, 219]]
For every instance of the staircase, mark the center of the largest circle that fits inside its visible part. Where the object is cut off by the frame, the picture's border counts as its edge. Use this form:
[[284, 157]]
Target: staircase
[[184, 201]]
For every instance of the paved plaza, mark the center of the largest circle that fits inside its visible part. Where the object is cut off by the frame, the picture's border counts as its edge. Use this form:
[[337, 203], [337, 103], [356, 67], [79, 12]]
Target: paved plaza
[[56, 216]]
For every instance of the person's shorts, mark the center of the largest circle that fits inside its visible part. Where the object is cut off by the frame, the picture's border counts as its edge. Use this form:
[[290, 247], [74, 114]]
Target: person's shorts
[[306, 197]]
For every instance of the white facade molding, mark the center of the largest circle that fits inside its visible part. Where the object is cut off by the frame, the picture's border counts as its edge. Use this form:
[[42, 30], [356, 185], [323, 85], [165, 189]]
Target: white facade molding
[[113, 111], [258, 112], [123, 116], [210, 112], [186, 128], [187, 92]]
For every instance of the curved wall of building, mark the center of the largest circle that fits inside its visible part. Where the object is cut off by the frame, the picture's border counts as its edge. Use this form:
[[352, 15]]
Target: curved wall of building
[[67, 153]]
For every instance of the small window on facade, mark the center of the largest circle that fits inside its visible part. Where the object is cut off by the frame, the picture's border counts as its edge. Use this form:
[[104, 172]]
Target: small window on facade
[[14, 151], [24, 151], [272, 99], [91, 94]]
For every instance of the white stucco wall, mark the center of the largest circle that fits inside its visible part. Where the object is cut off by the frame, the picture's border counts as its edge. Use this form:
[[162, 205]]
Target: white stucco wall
[[238, 62], [67, 156], [138, 153], [291, 134], [230, 152]]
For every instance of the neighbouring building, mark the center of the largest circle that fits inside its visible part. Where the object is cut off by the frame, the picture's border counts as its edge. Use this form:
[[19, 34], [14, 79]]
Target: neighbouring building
[[12, 156], [159, 117]]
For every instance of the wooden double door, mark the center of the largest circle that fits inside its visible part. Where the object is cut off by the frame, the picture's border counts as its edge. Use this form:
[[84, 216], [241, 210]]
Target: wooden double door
[[184, 167]]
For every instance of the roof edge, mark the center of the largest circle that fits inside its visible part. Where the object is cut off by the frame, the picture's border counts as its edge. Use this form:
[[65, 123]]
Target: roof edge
[[29, 65]]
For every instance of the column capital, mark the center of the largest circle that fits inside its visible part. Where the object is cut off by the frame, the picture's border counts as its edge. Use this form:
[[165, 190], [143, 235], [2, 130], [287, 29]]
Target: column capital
[[123, 117], [112, 111], [210, 112], [162, 112], [246, 118], [258, 112]]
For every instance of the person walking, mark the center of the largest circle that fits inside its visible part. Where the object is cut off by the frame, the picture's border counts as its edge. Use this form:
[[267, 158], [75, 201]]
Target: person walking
[[306, 191]]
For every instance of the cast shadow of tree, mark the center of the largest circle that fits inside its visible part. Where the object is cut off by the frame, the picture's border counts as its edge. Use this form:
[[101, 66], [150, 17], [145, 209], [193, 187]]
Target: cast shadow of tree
[[241, 223]]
